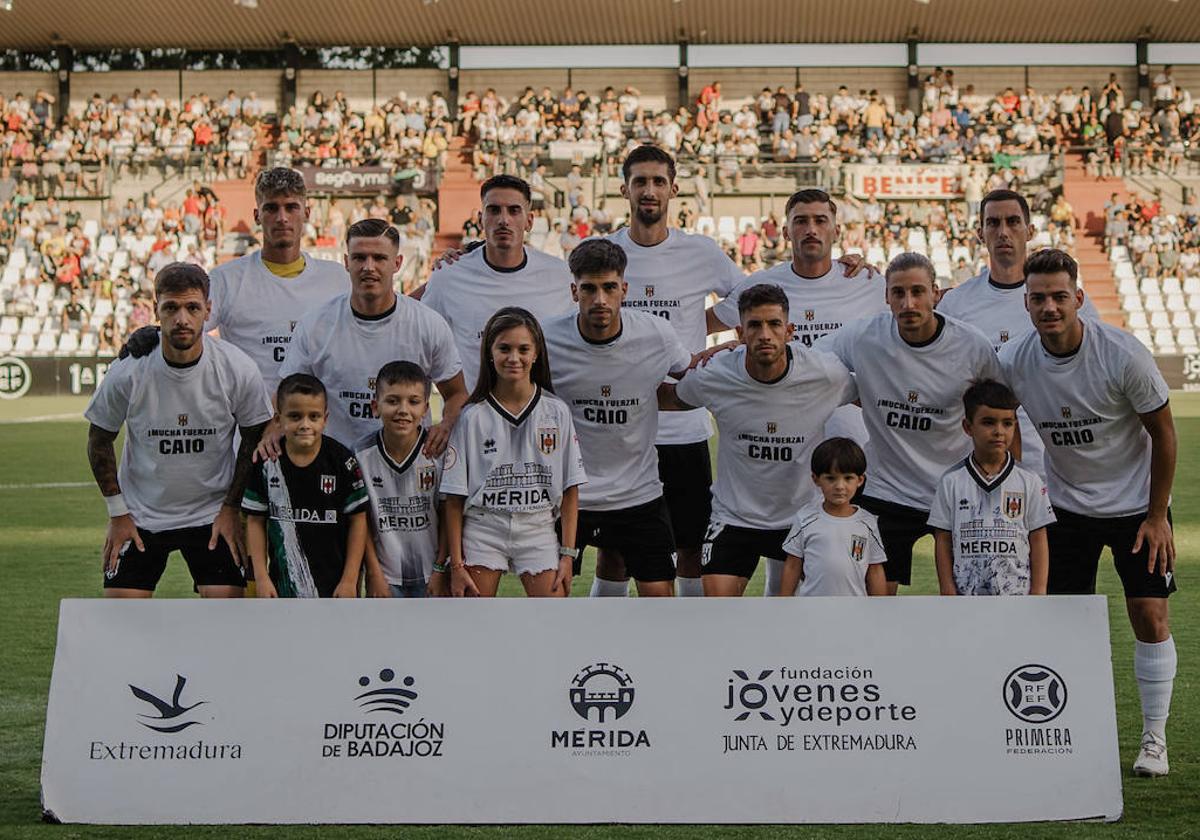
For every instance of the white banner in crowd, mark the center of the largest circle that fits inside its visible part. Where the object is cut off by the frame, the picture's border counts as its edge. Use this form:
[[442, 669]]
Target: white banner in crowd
[[608, 710], [910, 181]]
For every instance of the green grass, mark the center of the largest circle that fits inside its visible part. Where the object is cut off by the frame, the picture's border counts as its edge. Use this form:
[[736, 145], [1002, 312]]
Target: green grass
[[49, 549]]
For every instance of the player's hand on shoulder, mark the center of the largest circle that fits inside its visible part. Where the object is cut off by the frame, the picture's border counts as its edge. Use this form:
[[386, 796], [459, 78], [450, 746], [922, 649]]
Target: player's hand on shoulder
[[855, 263], [437, 439], [269, 448], [702, 358], [121, 535], [140, 343], [449, 257]]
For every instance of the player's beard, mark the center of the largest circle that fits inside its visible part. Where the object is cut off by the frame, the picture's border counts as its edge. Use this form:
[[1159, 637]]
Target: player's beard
[[648, 216], [182, 343]]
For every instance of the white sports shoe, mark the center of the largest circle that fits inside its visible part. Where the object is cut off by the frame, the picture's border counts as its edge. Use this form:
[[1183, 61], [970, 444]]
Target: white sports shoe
[[1152, 757]]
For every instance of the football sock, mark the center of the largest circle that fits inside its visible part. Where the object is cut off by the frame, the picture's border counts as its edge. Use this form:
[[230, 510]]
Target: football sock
[[774, 577], [688, 587], [609, 588], [1154, 667]]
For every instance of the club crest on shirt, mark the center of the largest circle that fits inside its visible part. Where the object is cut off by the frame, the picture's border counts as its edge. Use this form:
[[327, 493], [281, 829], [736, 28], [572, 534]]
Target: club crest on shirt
[[1014, 504], [182, 419], [771, 428], [809, 314], [858, 547], [328, 483], [371, 384], [913, 396], [425, 480], [548, 439], [489, 446], [606, 390], [1003, 336], [649, 291], [1066, 412]]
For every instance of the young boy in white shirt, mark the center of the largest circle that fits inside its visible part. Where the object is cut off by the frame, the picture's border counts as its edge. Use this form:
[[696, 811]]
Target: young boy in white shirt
[[990, 513], [834, 547]]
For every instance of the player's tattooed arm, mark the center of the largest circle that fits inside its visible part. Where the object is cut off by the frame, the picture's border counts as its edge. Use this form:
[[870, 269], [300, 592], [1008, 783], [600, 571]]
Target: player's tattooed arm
[[668, 399], [244, 463], [102, 456]]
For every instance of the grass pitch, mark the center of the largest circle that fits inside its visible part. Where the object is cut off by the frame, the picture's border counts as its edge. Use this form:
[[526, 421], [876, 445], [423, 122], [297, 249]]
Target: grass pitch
[[52, 527]]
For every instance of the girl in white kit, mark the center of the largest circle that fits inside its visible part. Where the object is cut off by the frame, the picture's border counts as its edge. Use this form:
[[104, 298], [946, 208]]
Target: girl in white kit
[[512, 469]]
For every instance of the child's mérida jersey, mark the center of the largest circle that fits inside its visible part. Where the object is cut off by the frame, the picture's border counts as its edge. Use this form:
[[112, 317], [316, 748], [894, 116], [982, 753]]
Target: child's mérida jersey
[[836, 550], [989, 521], [307, 511], [404, 513]]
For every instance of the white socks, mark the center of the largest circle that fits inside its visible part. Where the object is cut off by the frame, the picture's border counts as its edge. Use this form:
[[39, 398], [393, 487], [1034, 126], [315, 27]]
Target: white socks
[[686, 587], [609, 588], [774, 577], [1154, 667]]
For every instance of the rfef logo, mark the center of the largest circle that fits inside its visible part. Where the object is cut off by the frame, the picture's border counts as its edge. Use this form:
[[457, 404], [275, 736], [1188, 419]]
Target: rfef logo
[[1035, 693]]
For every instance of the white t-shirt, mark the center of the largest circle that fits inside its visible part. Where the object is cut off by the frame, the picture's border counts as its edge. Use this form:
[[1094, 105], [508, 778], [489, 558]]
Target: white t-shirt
[[912, 400], [989, 521], [1086, 407], [256, 310], [817, 307], [768, 431], [345, 351], [514, 464], [612, 391], [404, 508], [836, 550], [468, 292], [179, 422], [999, 313], [673, 280]]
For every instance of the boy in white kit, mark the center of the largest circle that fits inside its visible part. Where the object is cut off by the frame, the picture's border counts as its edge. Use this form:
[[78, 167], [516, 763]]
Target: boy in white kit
[[404, 556], [990, 513], [834, 547]]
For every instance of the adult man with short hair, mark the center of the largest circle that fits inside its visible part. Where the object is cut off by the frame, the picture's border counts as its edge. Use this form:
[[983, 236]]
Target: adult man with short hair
[[771, 398], [177, 487], [994, 300], [257, 299], [670, 274], [347, 340], [503, 272], [1101, 407], [912, 366], [607, 365]]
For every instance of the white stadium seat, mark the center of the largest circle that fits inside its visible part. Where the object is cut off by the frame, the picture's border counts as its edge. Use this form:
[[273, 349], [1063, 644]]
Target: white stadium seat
[[1171, 286], [706, 226], [31, 325], [1159, 320], [1164, 338], [1131, 303], [1175, 302], [1149, 286], [1123, 269], [47, 343], [23, 344], [1194, 303], [17, 259], [1153, 303], [1187, 339], [746, 220], [6, 343], [1191, 286], [1144, 337], [727, 228], [1137, 321], [68, 344], [10, 325], [1118, 253], [107, 245], [1181, 318]]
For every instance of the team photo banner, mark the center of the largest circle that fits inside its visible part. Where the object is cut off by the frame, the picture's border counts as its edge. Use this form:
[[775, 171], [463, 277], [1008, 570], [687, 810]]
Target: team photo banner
[[787, 710]]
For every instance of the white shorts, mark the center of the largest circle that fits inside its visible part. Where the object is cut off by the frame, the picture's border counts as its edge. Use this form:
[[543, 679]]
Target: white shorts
[[521, 543]]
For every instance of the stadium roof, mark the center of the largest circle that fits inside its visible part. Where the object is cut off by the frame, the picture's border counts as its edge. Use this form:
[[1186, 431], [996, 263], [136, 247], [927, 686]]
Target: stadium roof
[[215, 24]]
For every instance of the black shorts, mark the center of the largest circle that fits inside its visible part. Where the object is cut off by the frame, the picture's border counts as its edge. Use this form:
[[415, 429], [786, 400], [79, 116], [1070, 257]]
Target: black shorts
[[735, 549], [641, 533], [142, 570], [1075, 542], [900, 527], [685, 470]]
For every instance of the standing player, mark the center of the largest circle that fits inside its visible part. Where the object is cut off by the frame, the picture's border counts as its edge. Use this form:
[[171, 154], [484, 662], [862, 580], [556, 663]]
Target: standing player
[[606, 366], [258, 299], [670, 274], [346, 341], [994, 301], [177, 488], [771, 400], [912, 365], [1095, 396], [503, 272]]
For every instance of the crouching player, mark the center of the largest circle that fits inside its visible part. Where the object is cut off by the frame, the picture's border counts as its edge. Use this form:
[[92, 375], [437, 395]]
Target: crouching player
[[990, 513], [306, 524], [512, 468], [407, 546], [834, 547]]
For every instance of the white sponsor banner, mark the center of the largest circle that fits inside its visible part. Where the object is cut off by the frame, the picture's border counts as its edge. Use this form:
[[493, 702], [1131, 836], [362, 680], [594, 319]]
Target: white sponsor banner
[[908, 181], [607, 710]]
